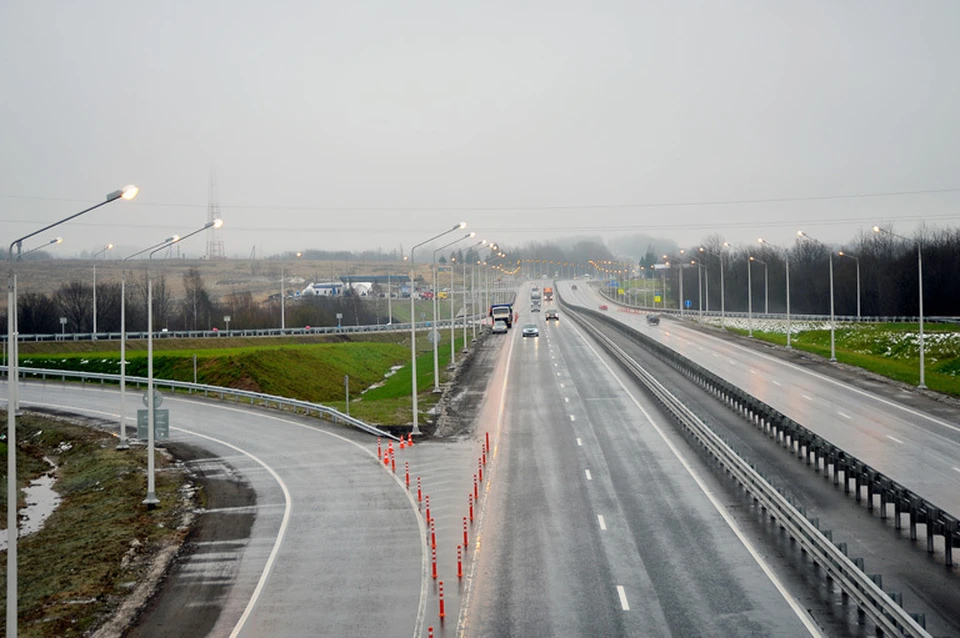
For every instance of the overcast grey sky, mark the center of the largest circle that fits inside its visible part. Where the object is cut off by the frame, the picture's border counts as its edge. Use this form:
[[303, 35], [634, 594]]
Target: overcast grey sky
[[362, 124]]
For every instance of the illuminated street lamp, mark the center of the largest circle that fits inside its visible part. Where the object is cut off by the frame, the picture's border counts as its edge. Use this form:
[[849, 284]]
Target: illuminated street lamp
[[127, 192], [766, 287], [151, 499], [857, 260], [413, 323], [786, 257], [719, 255], [122, 445], [436, 304], [833, 349], [95, 255], [877, 229]]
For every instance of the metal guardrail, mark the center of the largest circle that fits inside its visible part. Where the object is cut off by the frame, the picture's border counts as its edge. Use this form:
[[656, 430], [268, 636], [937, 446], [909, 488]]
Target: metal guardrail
[[255, 398], [252, 332], [863, 588], [769, 316]]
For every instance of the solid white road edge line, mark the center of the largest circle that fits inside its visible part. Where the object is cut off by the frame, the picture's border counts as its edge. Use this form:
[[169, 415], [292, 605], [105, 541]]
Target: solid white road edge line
[[421, 611], [471, 574], [841, 384], [798, 609]]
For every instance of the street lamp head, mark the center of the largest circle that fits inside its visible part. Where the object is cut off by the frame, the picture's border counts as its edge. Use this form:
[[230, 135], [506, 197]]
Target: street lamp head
[[129, 192], [460, 225], [760, 240], [109, 247], [171, 238], [56, 240], [840, 252], [300, 254], [876, 229], [217, 223], [800, 233], [472, 234], [751, 258]]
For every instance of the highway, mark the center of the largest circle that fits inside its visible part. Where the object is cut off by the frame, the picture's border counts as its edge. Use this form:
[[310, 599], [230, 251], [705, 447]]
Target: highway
[[596, 516], [336, 545], [911, 438], [598, 523]]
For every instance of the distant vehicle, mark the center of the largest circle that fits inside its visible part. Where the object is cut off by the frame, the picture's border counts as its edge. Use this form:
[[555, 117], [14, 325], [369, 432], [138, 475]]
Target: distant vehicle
[[443, 294], [547, 293], [502, 312], [603, 306], [535, 308], [653, 320], [552, 314], [500, 327], [574, 286], [531, 330]]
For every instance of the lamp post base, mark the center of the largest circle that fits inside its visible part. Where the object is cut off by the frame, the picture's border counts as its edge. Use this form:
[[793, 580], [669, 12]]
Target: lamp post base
[[123, 446], [151, 500]]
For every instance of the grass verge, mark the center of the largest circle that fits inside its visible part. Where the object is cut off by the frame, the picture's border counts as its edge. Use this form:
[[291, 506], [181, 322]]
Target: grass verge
[[889, 350], [99, 541]]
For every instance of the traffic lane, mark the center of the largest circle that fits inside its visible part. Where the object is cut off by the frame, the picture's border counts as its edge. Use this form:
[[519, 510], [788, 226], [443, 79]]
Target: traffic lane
[[539, 570], [346, 518], [903, 443], [702, 574], [563, 537], [919, 454], [933, 592]]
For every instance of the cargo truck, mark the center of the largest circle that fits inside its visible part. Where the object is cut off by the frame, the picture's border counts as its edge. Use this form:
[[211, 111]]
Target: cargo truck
[[547, 293], [502, 312]]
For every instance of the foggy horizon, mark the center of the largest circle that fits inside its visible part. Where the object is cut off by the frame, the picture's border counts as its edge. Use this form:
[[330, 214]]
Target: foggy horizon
[[370, 126]]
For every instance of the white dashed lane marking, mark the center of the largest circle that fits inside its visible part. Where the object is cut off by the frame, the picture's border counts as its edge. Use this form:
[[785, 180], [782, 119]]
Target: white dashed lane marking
[[895, 439], [806, 397], [623, 598], [776, 383], [580, 444], [603, 524], [846, 416], [589, 476]]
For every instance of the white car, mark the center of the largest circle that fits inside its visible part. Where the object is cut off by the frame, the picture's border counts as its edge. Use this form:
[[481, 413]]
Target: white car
[[530, 330], [500, 327]]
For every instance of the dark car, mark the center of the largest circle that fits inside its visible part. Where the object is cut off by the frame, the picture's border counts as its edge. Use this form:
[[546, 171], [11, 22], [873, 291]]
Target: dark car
[[552, 314], [574, 287], [653, 320]]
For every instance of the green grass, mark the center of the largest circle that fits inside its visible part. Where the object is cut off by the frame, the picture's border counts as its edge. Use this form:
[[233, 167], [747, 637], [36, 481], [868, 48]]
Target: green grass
[[311, 371], [890, 350], [73, 570]]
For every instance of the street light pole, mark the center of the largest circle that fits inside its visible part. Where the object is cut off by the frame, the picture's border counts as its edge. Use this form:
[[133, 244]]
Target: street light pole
[[750, 296], [436, 302], [877, 229], [122, 445], [151, 499], [95, 255], [833, 348], [413, 325], [128, 193], [857, 260], [786, 257]]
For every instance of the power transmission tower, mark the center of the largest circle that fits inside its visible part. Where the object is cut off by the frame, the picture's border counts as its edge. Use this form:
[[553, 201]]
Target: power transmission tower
[[214, 242]]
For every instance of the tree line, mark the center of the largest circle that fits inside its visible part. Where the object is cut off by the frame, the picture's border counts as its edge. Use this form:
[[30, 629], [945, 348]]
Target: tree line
[[39, 313], [888, 273]]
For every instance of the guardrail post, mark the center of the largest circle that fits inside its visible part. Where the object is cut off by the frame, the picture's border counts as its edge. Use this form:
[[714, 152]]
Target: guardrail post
[[856, 476], [931, 516], [913, 519]]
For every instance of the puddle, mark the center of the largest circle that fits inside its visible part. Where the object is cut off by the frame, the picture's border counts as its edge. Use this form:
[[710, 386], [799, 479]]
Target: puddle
[[42, 501]]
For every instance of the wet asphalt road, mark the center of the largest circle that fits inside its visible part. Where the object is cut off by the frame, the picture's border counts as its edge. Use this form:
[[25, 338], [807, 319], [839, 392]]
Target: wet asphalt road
[[594, 527], [335, 545]]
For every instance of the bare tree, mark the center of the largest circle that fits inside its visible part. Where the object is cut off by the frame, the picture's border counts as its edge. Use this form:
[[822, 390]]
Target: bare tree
[[75, 302]]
